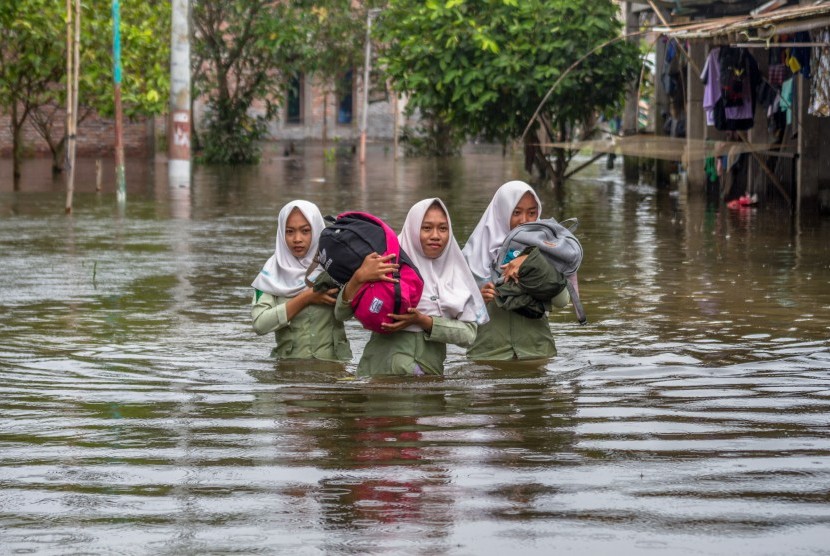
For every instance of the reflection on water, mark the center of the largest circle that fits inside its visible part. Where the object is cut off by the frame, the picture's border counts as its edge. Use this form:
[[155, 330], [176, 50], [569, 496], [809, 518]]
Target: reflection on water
[[142, 415]]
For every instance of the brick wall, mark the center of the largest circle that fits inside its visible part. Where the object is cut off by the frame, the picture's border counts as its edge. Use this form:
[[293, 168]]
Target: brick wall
[[96, 137]]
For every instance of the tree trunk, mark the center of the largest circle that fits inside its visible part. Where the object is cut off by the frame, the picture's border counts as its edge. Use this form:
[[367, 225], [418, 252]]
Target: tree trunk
[[17, 146], [325, 116], [195, 137], [444, 136], [58, 155], [559, 166], [536, 163]]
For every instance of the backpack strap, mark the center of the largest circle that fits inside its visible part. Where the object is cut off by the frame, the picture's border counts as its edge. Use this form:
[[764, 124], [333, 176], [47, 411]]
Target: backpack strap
[[573, 289], [398, 297], [309, 271], [570, 223]]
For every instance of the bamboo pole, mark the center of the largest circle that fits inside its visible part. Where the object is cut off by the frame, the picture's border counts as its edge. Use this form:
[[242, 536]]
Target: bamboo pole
[[569, 70], [396, 124], [768, 172], [70, 166], [120, 181], [73, 51], [583, 166]]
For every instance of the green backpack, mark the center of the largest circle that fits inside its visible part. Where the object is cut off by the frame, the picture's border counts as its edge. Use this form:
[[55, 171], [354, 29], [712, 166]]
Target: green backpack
[[557, 244]]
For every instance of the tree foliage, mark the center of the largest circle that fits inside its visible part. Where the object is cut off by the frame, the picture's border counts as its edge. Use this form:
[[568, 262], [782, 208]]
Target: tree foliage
[[33, 63], [336, 33], [145, 57], [246, 51], [243, 51], [482, 67]]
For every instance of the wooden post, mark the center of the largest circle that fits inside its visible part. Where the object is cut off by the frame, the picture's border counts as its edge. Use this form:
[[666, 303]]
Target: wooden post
[[367, 63], [395, 126], [809, 145], [98, 175], [695, 117], [631, 164]]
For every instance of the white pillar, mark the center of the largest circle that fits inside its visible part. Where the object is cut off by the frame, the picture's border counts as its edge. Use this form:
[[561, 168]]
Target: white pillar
[[180, 116]]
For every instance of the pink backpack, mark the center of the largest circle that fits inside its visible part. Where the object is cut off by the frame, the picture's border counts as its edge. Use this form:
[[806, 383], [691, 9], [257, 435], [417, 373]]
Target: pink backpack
[[345, 243]]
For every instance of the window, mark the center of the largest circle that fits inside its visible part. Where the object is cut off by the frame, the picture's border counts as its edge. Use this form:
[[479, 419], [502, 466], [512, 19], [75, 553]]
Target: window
[[294, 101], [345, 103]]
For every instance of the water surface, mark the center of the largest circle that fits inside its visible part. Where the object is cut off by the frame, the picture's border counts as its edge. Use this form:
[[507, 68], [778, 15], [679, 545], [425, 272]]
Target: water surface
[[139, 413]]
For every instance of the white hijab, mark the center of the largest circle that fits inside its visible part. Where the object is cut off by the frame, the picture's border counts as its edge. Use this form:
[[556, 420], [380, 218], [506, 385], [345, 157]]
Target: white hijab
[[449, 289], [284, 274], [490, 232]]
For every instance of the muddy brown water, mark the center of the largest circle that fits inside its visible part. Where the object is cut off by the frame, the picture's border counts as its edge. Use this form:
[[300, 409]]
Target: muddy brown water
[[139, 413]]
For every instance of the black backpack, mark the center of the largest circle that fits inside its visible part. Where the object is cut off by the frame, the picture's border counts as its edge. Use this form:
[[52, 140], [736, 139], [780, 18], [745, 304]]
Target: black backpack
[[342, 247], [345, 242]]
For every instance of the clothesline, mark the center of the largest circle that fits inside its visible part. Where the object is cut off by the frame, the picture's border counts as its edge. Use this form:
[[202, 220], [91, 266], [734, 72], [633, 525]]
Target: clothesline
[[666, 148], [777, 45]]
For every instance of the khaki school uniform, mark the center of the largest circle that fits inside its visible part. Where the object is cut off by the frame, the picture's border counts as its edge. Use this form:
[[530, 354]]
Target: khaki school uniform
[[313, 333], [510, 335], [409, 353]]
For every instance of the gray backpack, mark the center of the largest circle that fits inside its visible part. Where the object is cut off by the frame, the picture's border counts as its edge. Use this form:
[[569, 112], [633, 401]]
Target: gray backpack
[[557, 244]]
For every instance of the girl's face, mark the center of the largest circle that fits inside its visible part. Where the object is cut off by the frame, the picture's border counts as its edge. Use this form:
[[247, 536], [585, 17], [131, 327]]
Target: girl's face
[[297, 233], [435, 232], [526, 210]]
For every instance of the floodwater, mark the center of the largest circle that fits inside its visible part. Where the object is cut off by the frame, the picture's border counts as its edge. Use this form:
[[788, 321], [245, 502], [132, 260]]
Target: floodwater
[[139, 413]]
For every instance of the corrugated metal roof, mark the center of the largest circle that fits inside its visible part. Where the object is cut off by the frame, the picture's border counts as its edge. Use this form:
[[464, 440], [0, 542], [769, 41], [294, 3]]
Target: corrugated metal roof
[[784, 20]]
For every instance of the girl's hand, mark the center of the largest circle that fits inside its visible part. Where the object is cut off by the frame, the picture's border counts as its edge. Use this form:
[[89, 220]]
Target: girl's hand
[[413, 316], [488, 292], [376, 268], [324, 297], [510, 271]]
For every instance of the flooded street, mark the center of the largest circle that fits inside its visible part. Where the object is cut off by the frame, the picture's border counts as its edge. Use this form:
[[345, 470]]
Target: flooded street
[[140, 414]]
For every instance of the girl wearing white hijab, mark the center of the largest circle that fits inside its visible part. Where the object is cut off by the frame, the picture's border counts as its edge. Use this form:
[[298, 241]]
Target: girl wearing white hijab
[[301, 318], [450, 309], [508, 335]]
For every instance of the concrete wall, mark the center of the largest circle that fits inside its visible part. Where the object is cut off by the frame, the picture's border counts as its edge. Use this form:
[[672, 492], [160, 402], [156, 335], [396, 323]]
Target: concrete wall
[[319, 116]]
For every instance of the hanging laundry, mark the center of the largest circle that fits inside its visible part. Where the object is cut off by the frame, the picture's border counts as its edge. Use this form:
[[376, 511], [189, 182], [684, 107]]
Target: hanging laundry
[[733, 75], [801, 54], [730, 80], [777, 74], [786, 102]]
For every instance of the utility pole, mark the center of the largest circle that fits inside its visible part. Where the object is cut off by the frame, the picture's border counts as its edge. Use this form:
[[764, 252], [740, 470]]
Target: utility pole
[[180, 117], [366, 69], [120, 180]]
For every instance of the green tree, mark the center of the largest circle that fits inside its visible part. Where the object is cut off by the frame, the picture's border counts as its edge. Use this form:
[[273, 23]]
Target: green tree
[[31, 62], [336, 32], [145, 57], [33, 65], [244, 51], [247, 51], [481, 68]]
